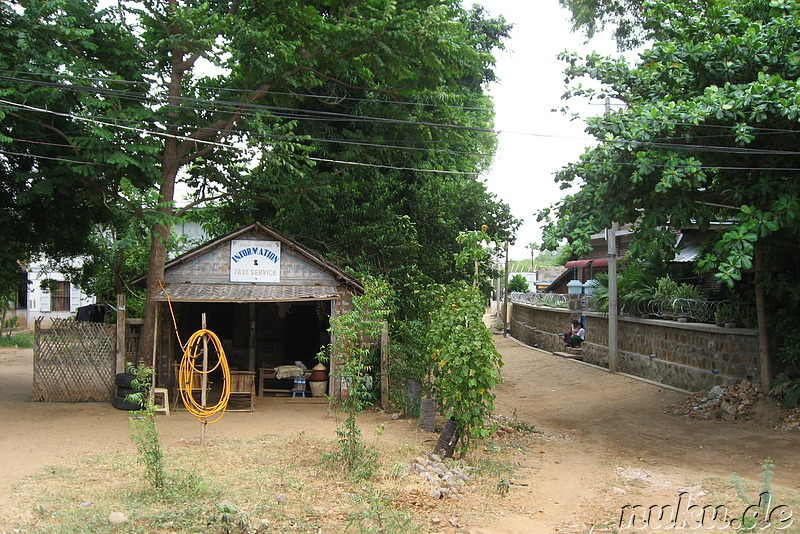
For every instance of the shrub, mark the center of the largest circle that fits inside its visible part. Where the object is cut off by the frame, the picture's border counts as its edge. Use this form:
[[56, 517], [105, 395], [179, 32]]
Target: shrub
[[518, 283]]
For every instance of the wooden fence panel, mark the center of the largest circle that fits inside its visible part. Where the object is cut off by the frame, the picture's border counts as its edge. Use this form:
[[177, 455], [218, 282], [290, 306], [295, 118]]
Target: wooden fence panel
[[73, 361], [133, 332]]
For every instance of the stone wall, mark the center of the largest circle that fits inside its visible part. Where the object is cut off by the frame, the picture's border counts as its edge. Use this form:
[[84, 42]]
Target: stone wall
[[690, 356]]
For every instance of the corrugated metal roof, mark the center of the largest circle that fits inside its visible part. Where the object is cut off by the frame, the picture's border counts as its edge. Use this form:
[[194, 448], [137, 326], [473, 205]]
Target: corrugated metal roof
[[577, 263], [244, 293], [687, 254]]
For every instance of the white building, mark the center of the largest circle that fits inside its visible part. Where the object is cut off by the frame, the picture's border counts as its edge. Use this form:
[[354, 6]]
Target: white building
[[51, 296]]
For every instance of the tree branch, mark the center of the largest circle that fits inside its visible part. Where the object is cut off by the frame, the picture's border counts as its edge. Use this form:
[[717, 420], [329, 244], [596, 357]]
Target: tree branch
[[48, 127]]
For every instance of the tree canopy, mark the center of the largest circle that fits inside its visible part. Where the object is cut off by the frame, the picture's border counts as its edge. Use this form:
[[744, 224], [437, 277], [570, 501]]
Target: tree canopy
[[365, 121], [705, 132], [61, 168]]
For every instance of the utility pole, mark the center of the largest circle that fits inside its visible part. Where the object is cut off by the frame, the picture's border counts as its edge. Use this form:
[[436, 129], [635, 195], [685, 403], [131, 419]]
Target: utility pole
[[613, 352], [505, 294], [613, 313]]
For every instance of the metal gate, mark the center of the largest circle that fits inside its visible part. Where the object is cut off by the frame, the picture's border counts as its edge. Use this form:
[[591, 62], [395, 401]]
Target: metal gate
[[73, 361]]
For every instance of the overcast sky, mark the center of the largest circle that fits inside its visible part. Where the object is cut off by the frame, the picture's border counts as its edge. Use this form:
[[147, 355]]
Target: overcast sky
[[534, 141]]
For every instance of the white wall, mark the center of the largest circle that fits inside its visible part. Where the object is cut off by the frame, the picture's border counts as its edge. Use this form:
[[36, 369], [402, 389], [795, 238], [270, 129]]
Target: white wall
[[39, 299]]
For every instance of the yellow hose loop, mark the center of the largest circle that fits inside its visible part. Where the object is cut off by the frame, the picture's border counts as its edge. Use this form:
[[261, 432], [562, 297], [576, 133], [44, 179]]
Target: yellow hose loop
[[189, 368]]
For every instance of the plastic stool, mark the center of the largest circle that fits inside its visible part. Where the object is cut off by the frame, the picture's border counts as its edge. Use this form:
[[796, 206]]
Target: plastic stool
[[299, 391], [164, 407]]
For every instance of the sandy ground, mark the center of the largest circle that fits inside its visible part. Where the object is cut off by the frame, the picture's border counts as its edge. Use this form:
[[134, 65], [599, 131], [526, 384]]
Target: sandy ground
[[606, 440]]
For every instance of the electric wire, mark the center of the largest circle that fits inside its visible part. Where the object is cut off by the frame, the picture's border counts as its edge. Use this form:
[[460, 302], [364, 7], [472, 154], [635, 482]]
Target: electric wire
[[677, 146], [331, 115], [336, 98], [310, 114]]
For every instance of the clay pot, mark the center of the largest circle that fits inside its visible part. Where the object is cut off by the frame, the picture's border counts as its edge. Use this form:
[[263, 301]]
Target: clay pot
[[318, 373], [318, 389]]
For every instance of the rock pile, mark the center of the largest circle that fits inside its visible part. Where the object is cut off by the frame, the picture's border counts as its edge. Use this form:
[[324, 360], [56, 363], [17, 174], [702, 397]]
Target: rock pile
[[730, 403], [441, 479], [720, 402]]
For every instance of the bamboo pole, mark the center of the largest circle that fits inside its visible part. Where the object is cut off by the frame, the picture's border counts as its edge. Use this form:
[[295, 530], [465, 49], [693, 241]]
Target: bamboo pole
[[204, 381], [121, 315]]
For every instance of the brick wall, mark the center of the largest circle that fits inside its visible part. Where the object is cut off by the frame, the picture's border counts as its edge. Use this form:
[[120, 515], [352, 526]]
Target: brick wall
[[690, 356]]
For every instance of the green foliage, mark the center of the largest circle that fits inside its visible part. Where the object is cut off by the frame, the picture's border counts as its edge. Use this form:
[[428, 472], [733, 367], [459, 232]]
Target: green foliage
[[464, 362], [357, 459], [706, 76], [230, 519], [373, 113], [119, 251], [23, 340], [503, 487], [549, 257], [143, 427], [8, 326], [357, 332], [375, 513], [593, 16], [636, 285], [518, 283], [693, 142], [61, 173], [787, 386], [757, 519], [667, 288]]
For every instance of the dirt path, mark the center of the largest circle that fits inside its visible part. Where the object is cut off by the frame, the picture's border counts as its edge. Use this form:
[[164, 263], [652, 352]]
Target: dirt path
[[605, 440], [616, 446]]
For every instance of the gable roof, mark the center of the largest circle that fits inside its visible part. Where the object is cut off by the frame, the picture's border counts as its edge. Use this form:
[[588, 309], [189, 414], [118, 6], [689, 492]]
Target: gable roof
[[205, 290]]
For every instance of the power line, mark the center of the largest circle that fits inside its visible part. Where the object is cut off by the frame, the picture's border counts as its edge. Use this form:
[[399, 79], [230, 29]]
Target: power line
[[391, 166], [337, 98], [295, 114], [129, 128], [141, 130], [291, 113], [65, 160]]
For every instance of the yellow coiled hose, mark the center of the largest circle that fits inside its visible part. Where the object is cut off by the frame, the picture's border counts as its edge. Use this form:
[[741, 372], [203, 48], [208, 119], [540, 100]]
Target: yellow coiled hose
[[192, 357]]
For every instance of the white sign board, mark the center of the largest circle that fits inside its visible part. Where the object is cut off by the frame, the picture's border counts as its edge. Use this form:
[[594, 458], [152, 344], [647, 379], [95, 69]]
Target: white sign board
[[255, 261]]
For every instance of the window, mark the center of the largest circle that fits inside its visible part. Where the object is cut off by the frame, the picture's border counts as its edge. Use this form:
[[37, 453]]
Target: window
[[59, 297]]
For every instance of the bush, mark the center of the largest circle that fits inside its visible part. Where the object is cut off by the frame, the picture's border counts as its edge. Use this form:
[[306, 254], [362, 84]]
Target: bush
[[22, 340], [518, 283], [667, 288], [466, 366]]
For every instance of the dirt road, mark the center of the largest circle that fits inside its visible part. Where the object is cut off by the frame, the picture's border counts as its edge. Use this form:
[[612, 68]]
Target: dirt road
[[617, 446], [605, 442]]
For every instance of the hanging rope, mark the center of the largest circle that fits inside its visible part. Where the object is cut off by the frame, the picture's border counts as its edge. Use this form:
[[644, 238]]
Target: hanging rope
[[189, 371]]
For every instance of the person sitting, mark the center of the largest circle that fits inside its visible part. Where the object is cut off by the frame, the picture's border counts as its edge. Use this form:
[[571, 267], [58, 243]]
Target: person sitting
[[575, 336]]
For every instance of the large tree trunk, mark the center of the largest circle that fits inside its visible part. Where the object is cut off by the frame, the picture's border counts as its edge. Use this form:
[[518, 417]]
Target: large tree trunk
[[160, 233], [158, 257]]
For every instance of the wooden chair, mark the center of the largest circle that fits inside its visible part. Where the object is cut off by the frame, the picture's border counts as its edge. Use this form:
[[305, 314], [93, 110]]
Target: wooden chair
[[243, 386], [197, 385]]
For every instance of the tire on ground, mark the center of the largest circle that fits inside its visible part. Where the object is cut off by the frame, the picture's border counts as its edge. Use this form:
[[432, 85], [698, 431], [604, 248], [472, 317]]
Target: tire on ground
[[124, 380], [124, 392], [121, 404]]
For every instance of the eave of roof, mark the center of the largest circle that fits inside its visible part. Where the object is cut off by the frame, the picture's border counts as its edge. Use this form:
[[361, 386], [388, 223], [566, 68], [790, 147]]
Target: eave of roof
[[243, 293]]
